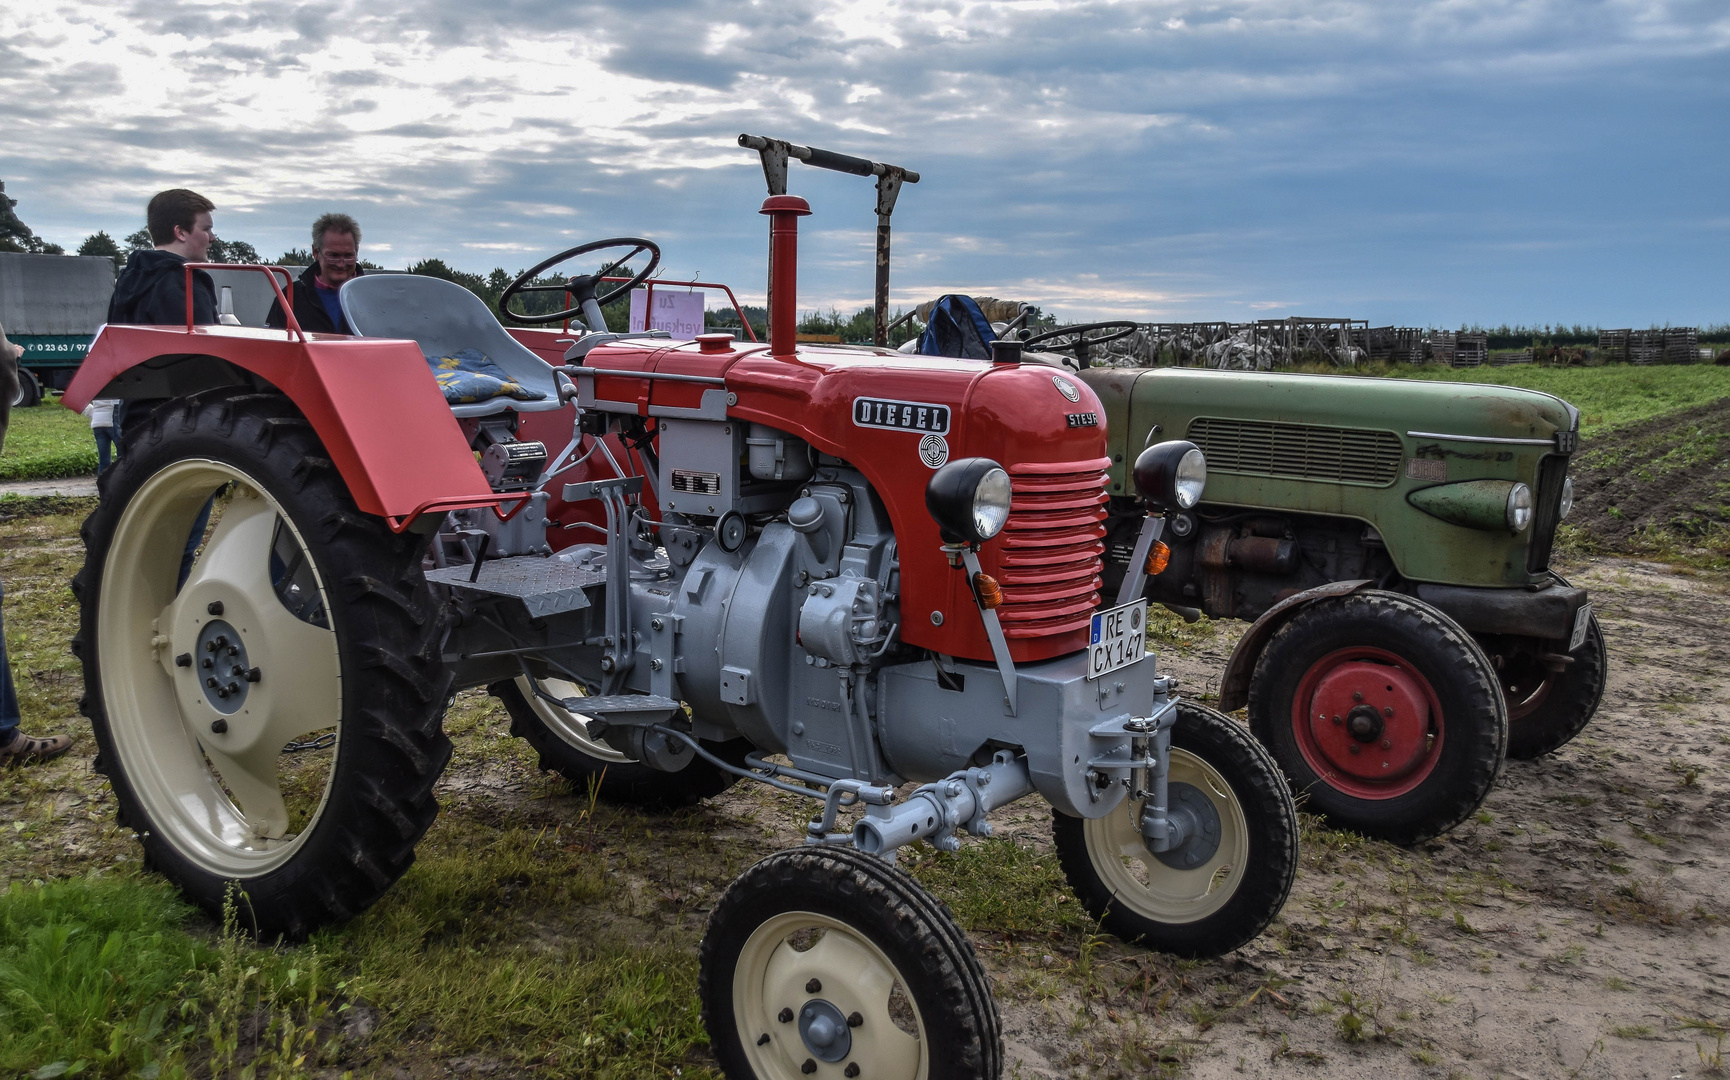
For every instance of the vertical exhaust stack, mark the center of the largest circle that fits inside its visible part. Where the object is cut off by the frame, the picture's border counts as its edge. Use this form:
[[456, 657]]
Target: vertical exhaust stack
[[784, 213]]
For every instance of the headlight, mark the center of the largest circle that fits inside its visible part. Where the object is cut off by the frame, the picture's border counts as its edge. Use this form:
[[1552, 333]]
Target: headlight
[[969, 500], [1567, 496], [1519, 507], [1171, 475]]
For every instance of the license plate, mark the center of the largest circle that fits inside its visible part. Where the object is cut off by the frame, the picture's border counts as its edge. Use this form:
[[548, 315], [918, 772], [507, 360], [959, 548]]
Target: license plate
[[1582, 620], [1119, 639]]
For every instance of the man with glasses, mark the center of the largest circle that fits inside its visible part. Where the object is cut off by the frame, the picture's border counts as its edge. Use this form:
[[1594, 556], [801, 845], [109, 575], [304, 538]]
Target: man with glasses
[[335, 259]]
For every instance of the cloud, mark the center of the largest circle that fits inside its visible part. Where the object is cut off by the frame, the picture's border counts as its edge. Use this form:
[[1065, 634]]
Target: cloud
[[1437, 160]]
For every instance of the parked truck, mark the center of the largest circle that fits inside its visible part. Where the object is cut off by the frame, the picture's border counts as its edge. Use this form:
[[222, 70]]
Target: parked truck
[[52, 305]]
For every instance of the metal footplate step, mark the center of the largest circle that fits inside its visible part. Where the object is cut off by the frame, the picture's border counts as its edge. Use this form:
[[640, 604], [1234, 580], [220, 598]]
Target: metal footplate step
[[545, 586], [622, 710]]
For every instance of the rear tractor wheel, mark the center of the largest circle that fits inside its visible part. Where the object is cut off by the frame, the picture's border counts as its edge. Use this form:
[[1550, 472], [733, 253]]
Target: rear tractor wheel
[[1224, 885], [561, 737], [268, 715], [1383, 714], [1548, 707], [829, 962]]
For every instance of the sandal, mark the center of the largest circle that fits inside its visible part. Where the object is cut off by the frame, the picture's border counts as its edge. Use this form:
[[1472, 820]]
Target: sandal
[[28, 750]]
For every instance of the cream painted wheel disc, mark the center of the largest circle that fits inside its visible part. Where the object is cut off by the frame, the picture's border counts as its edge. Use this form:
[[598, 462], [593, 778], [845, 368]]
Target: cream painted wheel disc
[[568, 726], [1146, 886], [211, 772], [788, 954]]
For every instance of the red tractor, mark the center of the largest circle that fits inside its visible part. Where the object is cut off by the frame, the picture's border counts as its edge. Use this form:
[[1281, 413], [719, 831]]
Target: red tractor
[[830, 570]]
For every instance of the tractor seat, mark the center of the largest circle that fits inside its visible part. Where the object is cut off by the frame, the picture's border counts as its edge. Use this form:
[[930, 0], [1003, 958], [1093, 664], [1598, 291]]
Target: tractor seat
[[445, 319]]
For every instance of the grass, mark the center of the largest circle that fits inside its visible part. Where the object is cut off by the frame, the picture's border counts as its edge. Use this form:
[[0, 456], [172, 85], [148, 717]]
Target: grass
[[47, 442], [91, 970]]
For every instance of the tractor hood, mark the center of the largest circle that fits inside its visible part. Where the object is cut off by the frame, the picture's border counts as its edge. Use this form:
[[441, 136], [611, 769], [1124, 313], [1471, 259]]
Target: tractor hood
[[1358, 447]]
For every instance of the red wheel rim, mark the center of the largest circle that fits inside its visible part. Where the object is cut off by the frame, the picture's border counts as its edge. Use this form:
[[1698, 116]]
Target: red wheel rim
[[1367, 723]]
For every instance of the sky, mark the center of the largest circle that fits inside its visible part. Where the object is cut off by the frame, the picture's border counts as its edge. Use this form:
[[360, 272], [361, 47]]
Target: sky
[[1414, 162]]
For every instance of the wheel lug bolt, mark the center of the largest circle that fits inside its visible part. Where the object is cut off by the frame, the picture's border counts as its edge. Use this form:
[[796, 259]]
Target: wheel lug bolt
[[809, 1067], [1352, 749], [234, 650], [785, 1016], [222, 692], [210, 646], [214, 607], [813, 987], [1387, 744], [210, 683], [851, 1070], [1357, 696], [183, 660], [233, 688], [207, 663], [219, 725], [855, 1020], [1337, 720], [1387, 710]]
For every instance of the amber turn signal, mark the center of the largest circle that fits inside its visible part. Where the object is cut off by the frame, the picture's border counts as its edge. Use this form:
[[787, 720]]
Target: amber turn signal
[[1158, 558], [989, 592]]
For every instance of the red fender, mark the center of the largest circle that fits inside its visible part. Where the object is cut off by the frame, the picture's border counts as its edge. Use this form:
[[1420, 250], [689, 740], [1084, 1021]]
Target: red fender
[[1234, 684], [373, 403]]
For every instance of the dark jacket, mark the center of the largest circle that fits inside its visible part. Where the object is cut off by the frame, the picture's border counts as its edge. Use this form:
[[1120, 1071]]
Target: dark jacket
[[152, 291], [309, 310]]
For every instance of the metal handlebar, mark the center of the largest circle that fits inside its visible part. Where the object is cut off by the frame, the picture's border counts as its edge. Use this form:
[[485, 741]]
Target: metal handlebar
[[822, 159]]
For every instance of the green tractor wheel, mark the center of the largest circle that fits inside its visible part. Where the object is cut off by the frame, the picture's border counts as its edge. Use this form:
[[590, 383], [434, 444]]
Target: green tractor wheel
[[1386, 717]]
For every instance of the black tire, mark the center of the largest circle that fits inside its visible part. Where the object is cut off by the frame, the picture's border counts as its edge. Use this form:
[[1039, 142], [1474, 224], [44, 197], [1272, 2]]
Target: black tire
[[1259, 877], [29, 392], [621, 780], [876, 903], [1446, 751], [385, 710], [1562, 706]]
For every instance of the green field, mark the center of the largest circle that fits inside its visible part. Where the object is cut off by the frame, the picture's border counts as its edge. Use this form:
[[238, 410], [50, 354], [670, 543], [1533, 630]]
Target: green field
[[47, 443]]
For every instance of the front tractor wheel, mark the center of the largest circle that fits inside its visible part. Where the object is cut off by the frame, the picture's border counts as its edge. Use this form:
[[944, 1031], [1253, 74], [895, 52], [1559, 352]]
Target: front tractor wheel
[[267, 707], [1383, 713], [1224, 885], [829, 962]]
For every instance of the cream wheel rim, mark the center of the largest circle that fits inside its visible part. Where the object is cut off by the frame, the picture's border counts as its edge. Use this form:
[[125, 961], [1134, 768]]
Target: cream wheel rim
[[571, 728], [1148, 887], [853, 977], [211, 774]]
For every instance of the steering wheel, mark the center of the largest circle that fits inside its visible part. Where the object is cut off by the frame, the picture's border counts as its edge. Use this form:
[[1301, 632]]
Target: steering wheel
[[581, 287], [1074, 338]]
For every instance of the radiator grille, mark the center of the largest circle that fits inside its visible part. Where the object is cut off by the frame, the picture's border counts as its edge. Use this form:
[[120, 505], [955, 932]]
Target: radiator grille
[[1305, 451], [1050, 558], [1552, 471]]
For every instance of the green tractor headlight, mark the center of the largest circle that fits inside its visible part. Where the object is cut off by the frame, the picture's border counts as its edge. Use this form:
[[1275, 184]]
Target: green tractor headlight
[[1492, 505]]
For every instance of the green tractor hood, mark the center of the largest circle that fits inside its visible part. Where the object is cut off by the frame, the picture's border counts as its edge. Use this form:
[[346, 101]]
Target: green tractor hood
[[1361, 448]]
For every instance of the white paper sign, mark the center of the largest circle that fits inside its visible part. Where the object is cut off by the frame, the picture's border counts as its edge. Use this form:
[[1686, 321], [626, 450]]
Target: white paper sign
[[678, 313]]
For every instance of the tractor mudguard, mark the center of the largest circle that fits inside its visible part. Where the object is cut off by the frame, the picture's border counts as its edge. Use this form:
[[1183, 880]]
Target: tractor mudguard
[[373, 403], [1234, 684]]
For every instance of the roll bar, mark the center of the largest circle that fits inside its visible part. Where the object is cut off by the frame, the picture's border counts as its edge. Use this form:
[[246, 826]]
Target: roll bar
[[776, 152]]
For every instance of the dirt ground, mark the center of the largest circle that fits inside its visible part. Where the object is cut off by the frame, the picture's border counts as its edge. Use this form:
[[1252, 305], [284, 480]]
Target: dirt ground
[[1575, 928]]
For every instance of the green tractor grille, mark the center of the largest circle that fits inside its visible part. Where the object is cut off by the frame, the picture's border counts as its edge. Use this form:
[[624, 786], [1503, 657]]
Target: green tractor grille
[[1552, 471], [1303, 451]]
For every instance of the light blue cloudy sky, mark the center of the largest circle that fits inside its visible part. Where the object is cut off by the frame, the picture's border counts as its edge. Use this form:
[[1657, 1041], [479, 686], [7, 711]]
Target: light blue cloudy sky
[[1408, 161]]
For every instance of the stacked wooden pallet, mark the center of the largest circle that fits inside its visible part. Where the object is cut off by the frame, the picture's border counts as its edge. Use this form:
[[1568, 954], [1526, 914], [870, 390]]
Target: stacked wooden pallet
[[1524, 356], [1613, 345], [1471, 350], [1442, 346]]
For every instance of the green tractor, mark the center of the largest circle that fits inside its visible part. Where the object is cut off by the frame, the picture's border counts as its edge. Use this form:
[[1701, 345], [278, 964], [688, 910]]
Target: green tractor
[[1390, 541]]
